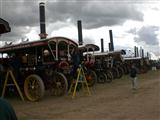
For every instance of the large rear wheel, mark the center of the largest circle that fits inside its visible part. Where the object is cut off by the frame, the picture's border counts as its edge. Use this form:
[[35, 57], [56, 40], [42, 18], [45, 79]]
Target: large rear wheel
[[91, 77], [115, 72], [58, 84], [34, 88], [109, 76], [120, 71], [102, 77]]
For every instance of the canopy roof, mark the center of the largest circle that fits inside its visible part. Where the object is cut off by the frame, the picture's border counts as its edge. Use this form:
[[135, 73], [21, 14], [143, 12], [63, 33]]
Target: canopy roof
[[42, 42], [88, 48], [4, 26]]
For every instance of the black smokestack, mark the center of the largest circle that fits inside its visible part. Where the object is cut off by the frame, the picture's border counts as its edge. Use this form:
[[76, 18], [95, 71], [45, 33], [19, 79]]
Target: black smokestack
[[111, 40], [102, 45], [80, 37], [135, 51], [109, 46], [142, 53], [147, 54], [42, 34]]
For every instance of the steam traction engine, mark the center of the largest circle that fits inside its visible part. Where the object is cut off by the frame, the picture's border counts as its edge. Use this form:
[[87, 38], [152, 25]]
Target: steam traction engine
[[117, 65], [39, 65], [142, 64], [89, 62], [111, 63]]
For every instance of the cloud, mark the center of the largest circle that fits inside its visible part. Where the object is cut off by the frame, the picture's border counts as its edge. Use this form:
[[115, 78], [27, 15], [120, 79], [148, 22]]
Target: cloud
[[148, 38], [17, 33], [147, 34], [22, 16], [20, 13], [94, 14], [88, 40], [132, 31]]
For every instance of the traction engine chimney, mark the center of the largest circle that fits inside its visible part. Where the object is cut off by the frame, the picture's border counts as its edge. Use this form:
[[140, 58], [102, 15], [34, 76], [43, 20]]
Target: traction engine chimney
[[42, 34], [80, 37]]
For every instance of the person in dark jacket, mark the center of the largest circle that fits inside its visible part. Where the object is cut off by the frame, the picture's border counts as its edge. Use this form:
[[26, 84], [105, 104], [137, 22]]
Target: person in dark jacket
[[133, 75], [76, 58], [6, 110]]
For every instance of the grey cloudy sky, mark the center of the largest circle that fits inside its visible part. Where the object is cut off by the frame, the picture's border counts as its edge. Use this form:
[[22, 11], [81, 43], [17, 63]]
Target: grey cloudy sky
[[148, 35], [23, 16]]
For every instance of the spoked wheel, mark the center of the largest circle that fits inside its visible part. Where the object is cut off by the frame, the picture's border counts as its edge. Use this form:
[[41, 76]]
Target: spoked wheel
[[58, 84], [102, 77], [115, 72], [120, 70], [91, 77], [125, 69], [34, 88], [109, 77]]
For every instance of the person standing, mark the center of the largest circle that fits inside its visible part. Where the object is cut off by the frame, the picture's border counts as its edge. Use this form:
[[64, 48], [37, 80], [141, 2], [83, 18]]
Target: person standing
[[133, 75], [76, 60]]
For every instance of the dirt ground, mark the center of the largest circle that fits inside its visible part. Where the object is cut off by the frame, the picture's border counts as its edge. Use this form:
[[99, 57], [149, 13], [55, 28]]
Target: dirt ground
[[114, 101]]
